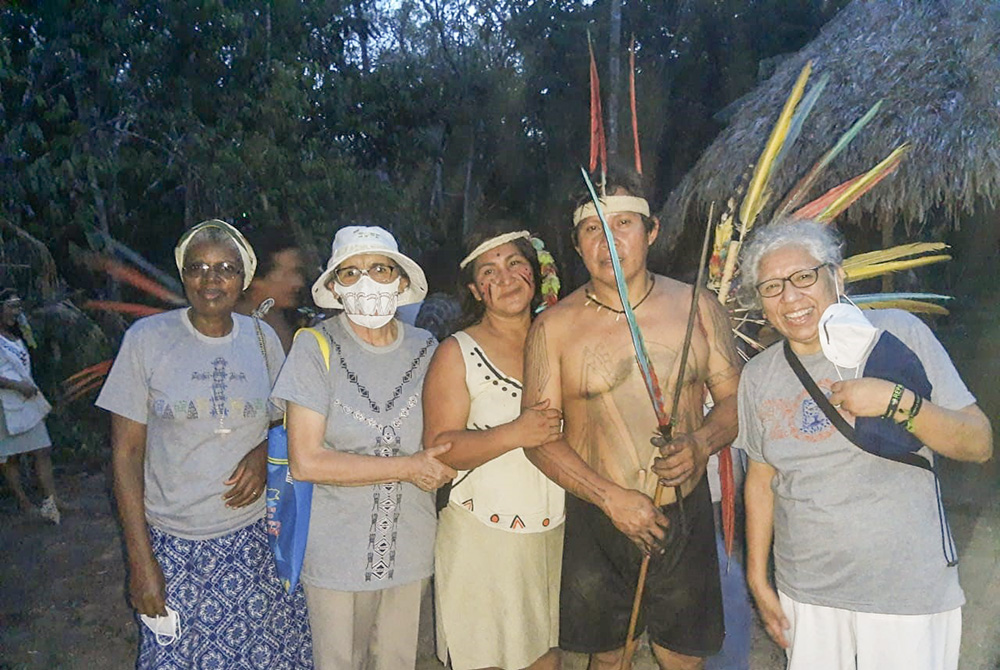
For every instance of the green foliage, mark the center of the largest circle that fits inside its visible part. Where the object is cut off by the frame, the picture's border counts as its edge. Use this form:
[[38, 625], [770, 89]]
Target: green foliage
[[138, 119]]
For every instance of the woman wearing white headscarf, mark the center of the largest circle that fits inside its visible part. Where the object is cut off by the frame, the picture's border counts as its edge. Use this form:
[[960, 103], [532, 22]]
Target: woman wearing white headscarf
[[188, 393], [354, 429]]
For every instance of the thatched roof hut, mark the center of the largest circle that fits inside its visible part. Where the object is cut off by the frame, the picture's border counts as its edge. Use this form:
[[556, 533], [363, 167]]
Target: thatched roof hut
[[936, 65]]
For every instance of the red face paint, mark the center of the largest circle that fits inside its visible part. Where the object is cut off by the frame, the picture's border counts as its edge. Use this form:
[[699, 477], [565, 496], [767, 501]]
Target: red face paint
[[500, 271]]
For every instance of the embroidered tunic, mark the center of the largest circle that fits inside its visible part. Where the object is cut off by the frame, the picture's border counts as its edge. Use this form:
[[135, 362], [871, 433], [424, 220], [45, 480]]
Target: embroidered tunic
[[365, 538]]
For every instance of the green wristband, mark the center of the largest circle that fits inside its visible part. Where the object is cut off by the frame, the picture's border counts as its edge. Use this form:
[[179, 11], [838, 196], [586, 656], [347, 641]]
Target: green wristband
[[897, 395]]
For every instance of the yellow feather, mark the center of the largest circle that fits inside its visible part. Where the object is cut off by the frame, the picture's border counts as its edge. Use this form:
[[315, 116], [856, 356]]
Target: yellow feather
[[892, 253], [879, 269], [753, 202], [851, 194]]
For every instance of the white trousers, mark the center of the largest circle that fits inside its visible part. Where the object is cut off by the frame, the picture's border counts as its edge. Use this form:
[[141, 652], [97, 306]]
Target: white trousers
[[828, 638], [365, 630]]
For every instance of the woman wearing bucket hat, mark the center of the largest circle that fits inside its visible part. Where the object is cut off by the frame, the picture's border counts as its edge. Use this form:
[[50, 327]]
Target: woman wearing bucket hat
[[845, 485], [355, 431], [188, 393], [504, 518]]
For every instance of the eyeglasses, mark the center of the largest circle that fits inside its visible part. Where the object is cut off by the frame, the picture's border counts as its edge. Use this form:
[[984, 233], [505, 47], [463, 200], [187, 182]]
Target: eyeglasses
[[383, 273], [771, 288], [225, 270]]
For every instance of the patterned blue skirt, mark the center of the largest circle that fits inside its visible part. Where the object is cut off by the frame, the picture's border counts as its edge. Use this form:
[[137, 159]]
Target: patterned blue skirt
[[234, 614]]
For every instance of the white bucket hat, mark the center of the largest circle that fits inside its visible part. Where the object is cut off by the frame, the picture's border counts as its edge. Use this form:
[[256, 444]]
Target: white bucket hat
[[353, 240]]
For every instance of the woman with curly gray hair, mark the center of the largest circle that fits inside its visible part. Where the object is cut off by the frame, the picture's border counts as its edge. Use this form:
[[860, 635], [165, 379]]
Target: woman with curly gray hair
[[856, 529]]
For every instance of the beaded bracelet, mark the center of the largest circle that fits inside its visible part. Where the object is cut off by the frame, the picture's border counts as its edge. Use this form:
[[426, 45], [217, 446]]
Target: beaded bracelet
[[897, 395]]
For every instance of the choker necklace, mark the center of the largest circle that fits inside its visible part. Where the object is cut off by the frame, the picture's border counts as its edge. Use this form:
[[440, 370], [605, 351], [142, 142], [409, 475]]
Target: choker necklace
[[591, 298]]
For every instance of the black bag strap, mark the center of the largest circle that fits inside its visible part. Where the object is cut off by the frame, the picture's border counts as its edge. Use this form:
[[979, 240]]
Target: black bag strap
[[834, 416]]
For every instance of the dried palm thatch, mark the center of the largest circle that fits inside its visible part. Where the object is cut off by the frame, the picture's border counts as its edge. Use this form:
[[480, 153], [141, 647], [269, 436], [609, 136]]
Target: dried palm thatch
[[936, 66]]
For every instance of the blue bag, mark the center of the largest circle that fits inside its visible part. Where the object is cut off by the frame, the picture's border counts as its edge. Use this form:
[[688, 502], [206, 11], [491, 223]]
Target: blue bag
[[289, 501], [893, 361]]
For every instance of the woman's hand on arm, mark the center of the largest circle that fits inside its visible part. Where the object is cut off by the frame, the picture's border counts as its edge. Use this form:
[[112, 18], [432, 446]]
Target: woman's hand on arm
[[446, 414], [146, 585], [248, 479], [426, 470], [311, 461], [759, 499]]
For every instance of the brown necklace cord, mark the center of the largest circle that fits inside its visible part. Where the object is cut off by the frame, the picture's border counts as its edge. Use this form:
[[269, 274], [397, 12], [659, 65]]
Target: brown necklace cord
[[592, 298]]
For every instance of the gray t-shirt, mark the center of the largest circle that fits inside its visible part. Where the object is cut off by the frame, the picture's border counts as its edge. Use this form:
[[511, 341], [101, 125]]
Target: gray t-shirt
[[204, 403], [851, 530], [365, 538]]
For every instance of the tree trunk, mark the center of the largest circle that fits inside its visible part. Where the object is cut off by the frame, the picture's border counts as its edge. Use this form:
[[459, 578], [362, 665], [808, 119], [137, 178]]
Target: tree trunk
[[467, 191], [614, 76], [362, 39]]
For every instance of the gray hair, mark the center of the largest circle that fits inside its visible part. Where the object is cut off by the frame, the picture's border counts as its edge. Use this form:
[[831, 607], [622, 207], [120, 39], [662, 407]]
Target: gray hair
[[820, 240], [212, 235]]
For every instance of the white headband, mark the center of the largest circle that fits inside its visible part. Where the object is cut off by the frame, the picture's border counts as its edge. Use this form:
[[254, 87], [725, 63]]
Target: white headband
[[612, 203], [247, 256], [493, 243]]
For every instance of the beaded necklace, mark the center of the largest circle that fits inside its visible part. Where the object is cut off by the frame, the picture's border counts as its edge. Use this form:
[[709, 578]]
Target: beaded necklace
[[591, 298]]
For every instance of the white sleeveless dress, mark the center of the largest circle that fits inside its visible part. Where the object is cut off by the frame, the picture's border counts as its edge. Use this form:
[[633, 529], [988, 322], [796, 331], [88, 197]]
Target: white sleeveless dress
[[498, 555]]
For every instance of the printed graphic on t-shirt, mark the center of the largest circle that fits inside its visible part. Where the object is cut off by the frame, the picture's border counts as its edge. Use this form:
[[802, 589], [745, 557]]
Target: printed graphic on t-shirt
[[385, 519], [798, 417], [386, 498], [215, 398]]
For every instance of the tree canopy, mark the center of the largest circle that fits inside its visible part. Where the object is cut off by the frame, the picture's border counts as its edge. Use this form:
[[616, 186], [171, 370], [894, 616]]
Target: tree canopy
[[137, 119]]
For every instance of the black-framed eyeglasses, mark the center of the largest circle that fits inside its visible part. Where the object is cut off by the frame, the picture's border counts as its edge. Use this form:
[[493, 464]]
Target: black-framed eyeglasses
[[383, 273], [224, 270], [771, 288]]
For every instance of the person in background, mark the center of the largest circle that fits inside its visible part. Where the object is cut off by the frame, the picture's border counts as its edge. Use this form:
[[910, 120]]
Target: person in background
[[440, 311], [188, 396], [864, 563], [354, 430], [499, 547], [281, 277], [22, 412]]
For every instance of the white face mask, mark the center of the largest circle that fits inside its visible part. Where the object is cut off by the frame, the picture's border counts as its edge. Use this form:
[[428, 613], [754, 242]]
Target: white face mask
[[167, 628], [368, 303], [845, 334]]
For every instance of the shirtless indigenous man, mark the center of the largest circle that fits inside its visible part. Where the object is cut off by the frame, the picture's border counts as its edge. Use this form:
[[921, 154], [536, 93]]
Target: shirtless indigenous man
[[579, 357]]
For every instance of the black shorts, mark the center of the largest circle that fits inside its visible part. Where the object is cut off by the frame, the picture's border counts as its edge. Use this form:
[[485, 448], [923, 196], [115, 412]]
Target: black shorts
[[682, 601]]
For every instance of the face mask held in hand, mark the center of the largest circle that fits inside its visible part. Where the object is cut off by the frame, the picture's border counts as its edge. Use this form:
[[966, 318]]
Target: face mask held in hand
[[845, 335], [167, 628]]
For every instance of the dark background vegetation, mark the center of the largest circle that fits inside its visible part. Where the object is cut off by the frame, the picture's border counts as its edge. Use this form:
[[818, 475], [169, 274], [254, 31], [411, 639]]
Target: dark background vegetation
[[133, 120]]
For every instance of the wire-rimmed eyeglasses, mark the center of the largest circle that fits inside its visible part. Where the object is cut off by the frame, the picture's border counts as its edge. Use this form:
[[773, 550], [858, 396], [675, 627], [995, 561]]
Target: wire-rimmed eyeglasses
[[349, 275]]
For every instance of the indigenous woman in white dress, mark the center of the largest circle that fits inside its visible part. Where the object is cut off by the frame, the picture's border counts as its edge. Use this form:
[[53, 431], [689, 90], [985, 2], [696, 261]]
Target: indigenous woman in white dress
[[499, 545], [22, 411]]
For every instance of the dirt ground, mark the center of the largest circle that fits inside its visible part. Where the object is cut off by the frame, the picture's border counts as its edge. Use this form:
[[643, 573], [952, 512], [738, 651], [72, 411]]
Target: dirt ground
[[62, 602]]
